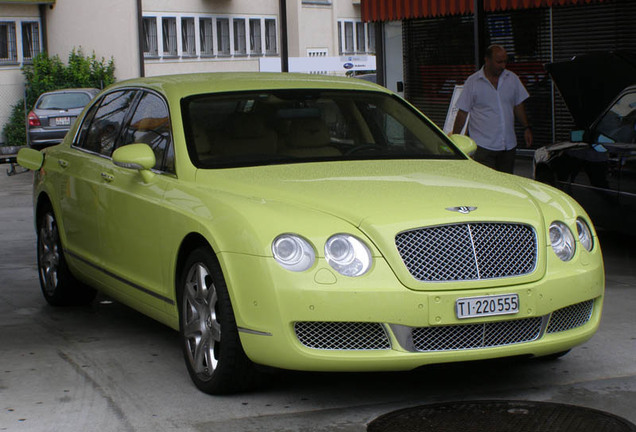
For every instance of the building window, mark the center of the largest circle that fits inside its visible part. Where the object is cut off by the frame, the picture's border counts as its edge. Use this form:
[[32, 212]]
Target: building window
[[188, 44], [169, 36], [240, 43], [256, 44], [355, 37], [30, 40], [348, 37], [270, 37], [150, 37], [371, 38], [8, 51], [223, 36], [360, 38], [207, 40]]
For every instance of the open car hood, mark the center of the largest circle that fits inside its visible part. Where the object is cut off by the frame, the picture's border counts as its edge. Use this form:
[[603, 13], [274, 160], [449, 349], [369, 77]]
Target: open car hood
[[588, 83]]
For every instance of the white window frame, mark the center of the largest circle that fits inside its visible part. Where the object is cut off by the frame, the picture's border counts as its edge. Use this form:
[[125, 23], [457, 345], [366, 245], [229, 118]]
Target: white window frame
[[222, 38], [153, 49], [358, 43], [239, 36], [15, 41], [172, 39], [188, 37]]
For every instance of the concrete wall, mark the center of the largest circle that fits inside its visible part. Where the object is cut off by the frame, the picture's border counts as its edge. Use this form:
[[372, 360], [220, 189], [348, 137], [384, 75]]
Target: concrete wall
[[107, 28]]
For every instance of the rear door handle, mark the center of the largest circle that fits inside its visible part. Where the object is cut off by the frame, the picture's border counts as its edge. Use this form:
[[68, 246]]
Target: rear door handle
[[108, 177]]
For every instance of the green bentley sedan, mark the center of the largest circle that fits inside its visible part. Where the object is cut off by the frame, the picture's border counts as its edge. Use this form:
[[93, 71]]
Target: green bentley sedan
[[307, 223]]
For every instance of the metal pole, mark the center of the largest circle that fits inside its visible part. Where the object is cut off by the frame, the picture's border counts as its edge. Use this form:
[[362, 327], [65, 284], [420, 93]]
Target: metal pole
[[480, 33], [140, 39], [284, 50]]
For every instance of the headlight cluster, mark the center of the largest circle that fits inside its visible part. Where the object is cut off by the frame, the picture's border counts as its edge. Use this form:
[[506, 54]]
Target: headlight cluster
[[563, 242], [345, 253]]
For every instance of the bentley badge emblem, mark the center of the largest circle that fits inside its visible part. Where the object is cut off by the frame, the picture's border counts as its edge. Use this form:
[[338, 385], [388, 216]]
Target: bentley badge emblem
[[462, 209]]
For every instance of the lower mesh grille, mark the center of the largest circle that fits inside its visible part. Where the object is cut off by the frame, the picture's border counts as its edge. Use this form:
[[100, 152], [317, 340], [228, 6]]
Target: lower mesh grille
[[570, 317], [342, 335], [471, 336]]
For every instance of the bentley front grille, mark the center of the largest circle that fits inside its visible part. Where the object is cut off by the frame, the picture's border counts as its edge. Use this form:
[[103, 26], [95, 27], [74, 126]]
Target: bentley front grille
[[471, 336], [570, 317], [468, 251], [342, 335]]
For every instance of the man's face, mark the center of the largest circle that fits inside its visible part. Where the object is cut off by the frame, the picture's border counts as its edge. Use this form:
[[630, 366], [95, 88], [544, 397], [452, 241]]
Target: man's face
[[497, 63]]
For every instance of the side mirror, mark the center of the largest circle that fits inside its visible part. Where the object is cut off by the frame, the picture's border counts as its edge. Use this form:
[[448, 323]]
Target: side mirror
[[137, 157], [577, 136], [464, 143], [30, 159]]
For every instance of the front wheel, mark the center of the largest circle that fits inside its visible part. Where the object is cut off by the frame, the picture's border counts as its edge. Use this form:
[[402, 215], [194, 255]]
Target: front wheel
[[209, 337], [59, 287]]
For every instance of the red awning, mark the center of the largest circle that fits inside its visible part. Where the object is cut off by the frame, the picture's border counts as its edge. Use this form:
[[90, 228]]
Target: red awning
[[395, 10]]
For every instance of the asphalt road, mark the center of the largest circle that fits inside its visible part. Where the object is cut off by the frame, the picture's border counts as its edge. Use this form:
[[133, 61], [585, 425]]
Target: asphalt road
[[107, 368]]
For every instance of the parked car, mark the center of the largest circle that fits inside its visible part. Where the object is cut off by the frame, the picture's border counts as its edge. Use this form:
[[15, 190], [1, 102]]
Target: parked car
[[309, 223], [54, 113], [598, 165]]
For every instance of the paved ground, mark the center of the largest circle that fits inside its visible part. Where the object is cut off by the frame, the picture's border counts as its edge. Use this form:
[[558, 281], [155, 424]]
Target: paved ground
[[106, 368]]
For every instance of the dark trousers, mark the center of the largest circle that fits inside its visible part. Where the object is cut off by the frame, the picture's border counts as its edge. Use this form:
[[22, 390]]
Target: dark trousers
[[503, 160]]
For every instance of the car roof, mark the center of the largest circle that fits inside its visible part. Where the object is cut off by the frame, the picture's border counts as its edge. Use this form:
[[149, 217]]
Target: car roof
[[184, 85]]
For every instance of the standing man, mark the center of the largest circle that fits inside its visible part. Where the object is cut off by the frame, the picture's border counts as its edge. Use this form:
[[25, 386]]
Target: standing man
[[494, 96]]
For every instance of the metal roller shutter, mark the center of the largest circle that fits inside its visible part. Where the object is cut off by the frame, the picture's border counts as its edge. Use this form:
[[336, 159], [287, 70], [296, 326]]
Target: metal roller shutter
[[439, 55]]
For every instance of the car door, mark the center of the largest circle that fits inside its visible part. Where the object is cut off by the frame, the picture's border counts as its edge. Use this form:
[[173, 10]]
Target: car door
[[132, 223], [79, 193]]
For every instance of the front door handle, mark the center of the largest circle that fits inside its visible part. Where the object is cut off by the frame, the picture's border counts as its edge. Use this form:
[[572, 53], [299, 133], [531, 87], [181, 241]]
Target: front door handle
[[108, 177], [62, 163]]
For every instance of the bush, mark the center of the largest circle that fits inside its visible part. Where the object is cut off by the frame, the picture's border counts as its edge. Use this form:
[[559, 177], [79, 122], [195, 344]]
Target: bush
[[50, 73]]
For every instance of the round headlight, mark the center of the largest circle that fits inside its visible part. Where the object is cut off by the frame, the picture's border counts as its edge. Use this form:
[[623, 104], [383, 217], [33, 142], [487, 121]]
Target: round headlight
[[562, 241], [347, 255], [585, 234], [293, 252]]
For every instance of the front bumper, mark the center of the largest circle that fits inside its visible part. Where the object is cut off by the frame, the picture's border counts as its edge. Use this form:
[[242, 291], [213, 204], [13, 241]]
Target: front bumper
[[321, 321]]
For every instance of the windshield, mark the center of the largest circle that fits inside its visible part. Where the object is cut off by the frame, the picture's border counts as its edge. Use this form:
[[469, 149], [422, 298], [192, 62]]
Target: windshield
[[64, 101], [618, 125], [288, 126]]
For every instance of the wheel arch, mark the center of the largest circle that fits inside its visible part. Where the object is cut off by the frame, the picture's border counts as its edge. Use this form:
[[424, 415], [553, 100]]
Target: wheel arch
[[191, 242]]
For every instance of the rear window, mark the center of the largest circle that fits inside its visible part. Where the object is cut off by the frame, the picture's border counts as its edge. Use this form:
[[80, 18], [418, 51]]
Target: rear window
[[295, 126], [63, 101]]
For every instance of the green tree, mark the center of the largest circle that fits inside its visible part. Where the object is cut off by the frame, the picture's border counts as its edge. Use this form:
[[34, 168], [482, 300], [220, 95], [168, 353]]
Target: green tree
[[50, 73]]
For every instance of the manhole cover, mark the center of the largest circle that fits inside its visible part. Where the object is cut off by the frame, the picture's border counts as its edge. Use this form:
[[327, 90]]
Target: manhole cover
[[499, 416]]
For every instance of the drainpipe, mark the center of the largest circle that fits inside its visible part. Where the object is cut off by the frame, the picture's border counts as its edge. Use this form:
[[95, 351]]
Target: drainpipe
[[45, 41], [140, 41], [284, 49]]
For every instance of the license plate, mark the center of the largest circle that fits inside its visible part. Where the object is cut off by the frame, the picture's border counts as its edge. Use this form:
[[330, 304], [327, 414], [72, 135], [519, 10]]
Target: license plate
[[472, 307], [62, 121]]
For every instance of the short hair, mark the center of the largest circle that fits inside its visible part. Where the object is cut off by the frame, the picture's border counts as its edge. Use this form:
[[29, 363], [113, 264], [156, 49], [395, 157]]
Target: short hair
[[492, 48]]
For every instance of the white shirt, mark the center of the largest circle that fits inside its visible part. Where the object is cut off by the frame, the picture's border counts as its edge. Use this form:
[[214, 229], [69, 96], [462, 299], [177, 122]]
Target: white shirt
[[492, 118]]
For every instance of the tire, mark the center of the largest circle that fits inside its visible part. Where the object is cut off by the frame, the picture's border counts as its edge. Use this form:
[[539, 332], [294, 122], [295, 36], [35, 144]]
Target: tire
[[208, 334], [58, 285]]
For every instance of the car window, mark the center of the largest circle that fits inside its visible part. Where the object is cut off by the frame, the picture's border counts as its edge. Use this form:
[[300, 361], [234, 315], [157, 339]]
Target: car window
[[150, 124], [619, 123], [100, 131], [289, 126], [63, 101]]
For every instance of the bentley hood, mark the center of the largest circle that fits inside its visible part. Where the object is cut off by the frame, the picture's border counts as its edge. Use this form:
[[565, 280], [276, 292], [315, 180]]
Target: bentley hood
[[396, 195]]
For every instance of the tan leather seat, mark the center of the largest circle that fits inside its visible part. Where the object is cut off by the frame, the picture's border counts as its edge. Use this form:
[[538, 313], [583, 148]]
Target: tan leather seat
[[309, 138]]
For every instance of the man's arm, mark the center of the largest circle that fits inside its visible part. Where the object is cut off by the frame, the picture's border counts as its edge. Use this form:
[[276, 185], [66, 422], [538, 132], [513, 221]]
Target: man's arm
[[460, 119], [520, 114]]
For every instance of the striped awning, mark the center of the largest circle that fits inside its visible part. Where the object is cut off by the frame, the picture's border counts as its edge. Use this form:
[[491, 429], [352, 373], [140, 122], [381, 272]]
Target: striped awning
[[395, 10]]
